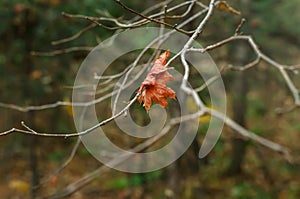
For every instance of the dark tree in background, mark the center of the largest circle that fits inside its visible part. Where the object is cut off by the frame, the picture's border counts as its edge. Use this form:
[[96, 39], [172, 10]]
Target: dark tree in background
[[239, 102]]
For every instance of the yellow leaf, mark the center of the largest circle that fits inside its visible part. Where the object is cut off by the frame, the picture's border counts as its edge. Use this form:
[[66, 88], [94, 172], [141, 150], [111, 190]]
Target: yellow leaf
[[169, 193], [224, 6], [204, 118], [19, 186], [69, 109]]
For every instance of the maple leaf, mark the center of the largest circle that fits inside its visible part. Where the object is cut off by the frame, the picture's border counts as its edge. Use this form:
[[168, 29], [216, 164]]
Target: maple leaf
[[154, 88]]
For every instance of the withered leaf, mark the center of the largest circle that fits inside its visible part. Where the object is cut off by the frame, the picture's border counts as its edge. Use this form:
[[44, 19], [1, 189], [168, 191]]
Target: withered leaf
[[224, 6], [154, 88]]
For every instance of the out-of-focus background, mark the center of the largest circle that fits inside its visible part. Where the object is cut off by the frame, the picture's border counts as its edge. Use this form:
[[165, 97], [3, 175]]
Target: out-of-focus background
[[234, 169]]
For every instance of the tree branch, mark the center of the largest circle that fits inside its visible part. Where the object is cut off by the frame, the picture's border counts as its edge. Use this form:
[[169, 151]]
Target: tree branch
[[30, 131]]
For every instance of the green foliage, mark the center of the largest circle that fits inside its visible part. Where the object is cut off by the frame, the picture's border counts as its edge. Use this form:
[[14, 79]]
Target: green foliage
[[56, 156], [287, 23], [257, 108], [203, 128], [297, 127], [263, 10], [249, 191], [118, 183], [265, 24], [259, 130], [82, 151], [134, 180]]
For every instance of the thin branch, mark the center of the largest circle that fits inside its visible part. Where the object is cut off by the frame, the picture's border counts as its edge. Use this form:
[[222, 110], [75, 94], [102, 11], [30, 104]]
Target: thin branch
[[102, 90], [248, 134], [245, 67], [260, 56], [283, 110], [107, 27], [38, 108], [207, 83], [96, 20], [111, 76], [199, 29], [154, 7], [119, 25], [152, 19], [80, 86], [62, 51], [32, 132], [239, 27], [75, 36], [188, 10]]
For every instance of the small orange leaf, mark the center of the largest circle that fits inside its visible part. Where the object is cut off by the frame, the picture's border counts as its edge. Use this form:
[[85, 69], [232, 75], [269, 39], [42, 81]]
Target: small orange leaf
[[53, 180], [154, 88], [36, 74]]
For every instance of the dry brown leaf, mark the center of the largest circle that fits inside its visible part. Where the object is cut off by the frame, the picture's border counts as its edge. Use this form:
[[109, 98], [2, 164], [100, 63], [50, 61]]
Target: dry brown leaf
[[224, 6], [154, 88]]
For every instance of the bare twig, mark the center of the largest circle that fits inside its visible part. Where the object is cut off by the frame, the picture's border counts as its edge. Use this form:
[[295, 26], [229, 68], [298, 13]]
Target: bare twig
[[37, 108], [78, 34], [131, 23], [188, 10], [245, 67], [62, 51], [32, 132], [152, 19], [207, 83], [238, 29], [154, 7]]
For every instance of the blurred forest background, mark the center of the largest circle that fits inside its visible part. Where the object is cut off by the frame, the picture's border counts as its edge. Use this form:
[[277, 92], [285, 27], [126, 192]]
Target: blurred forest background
[[234, 169]]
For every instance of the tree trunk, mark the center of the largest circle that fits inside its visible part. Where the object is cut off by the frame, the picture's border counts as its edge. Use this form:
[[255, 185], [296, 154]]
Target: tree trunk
[[29, 24], [239, 104], [239, 101]]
